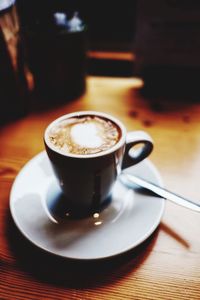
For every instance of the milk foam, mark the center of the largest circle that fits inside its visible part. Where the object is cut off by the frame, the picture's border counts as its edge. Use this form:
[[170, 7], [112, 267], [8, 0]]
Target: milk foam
[[86, 135]]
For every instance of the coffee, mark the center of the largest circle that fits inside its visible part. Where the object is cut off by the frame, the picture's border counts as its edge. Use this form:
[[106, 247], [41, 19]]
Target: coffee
[[83, 135]]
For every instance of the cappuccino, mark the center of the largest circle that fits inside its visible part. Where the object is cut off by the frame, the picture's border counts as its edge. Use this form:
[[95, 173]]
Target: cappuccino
[[83, 135]]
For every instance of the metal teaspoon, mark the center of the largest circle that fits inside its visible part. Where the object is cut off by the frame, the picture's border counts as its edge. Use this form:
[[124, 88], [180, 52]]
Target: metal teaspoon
[[129, 179]]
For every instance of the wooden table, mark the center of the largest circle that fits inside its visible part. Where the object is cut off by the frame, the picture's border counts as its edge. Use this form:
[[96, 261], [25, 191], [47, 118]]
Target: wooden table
[[167, 265]]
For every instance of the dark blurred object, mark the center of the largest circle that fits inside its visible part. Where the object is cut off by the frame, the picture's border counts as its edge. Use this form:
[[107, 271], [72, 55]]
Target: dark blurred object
[[110, 67], [167, 47], [180, 84], [13, 85], [110, 23], [56, 52], [115, 63], [110, 27]]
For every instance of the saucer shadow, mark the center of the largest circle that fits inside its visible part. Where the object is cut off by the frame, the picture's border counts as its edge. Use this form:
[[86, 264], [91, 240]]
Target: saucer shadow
[[72, 273], [61, 210]]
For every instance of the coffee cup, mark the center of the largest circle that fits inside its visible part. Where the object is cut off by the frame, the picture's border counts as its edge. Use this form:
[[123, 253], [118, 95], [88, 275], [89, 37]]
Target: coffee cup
[[87, 151]]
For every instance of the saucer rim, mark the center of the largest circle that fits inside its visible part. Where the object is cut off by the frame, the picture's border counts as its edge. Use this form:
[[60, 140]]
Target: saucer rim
[[103, 257]]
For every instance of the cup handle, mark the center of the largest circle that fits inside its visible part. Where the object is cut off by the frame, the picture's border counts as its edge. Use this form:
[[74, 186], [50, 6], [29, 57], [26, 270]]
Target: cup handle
[[145, 146]]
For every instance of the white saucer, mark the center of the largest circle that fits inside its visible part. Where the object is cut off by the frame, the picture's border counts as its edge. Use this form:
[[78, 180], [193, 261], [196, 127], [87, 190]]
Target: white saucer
[[129, 219]]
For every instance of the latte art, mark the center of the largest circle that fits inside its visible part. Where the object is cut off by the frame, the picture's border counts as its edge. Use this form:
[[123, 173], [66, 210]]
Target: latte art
[[84, 135]]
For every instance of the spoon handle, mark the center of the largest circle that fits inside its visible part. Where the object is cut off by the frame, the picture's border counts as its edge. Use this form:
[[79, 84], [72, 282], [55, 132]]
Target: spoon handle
[[127, 179]]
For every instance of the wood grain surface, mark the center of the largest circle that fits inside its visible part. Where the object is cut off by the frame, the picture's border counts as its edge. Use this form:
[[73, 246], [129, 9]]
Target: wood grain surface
[[167, 265]]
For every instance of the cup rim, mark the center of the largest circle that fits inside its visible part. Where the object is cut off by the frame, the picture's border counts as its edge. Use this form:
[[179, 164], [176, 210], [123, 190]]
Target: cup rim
[[120, 143]]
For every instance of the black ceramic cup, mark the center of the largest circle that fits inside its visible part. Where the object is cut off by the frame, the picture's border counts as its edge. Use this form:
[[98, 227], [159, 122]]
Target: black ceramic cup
[[87, 180]]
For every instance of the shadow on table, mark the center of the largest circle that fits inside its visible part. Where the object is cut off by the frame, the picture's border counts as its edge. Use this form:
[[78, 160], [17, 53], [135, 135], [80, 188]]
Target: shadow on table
[[171, 232], [74, 273]]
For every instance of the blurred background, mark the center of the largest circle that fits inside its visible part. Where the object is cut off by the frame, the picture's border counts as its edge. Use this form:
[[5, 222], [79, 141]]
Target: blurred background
[[158, 41]]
